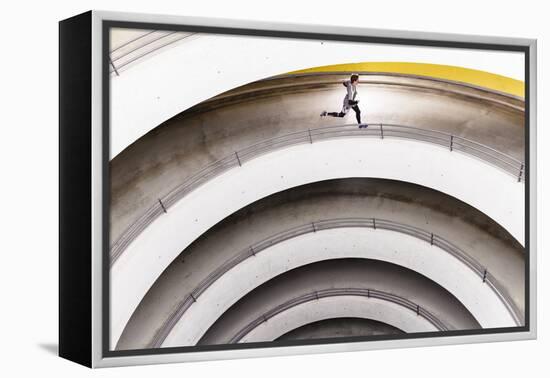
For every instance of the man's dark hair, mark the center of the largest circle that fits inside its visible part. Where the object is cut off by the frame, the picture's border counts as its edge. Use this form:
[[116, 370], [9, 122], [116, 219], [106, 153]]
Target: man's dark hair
[[354, 78]]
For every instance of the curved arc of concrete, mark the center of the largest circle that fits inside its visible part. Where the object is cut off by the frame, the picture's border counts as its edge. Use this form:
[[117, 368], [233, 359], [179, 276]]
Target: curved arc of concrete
[[340, 327], [373, 223], [425, 83], [451, 73], [331, 224], [354, 242], [209, 172], [141, 47], [136, 113], [448, 172], [340, 304]]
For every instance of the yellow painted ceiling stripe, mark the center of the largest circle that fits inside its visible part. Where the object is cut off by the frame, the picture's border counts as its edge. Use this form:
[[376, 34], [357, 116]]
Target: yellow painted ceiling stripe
[[460, 74]]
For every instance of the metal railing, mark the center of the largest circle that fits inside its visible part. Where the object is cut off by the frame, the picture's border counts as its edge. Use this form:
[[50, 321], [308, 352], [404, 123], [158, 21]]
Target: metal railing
[[327, 293], [374, 223], [236, 159], [143, 45]]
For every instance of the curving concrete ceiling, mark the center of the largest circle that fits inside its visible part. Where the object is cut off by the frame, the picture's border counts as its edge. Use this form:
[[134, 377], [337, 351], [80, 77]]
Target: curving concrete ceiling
[[401, 202], [339, 327], [335, 307], [137, 269], [227, 62], [333, 275], [168, 158], [384, 245], [467, 195]]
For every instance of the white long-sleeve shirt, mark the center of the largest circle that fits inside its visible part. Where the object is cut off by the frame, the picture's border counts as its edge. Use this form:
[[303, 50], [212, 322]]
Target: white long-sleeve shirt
[[350, 95]]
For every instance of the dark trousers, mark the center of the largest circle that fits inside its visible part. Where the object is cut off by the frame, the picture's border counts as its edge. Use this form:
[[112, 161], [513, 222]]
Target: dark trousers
[[341, 114]]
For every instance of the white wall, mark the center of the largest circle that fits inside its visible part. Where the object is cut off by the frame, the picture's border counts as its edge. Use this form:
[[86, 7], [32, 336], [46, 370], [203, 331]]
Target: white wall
[[472, 181]]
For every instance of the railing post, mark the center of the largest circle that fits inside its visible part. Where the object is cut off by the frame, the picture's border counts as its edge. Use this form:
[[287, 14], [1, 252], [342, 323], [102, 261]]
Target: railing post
[[313, 225], [162, 205], [113, 65], [252, 251], [368, 293], [451, 145], [484, 275], [310, 138], [381, 131], [193, 297], [520, 172], [316, 295], [239, 160], [432, 239], [374, 223], [417, 310]]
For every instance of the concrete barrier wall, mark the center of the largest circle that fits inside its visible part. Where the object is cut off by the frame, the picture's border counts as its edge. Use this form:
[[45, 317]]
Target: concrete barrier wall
[[335, 307], [179, 148], [340, 327], [397, 201], [159, 87], [389, 246], [451, 173], [339, 273]]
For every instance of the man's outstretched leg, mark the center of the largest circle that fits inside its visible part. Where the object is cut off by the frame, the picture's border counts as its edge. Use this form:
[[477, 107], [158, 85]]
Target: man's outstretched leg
[[333, 114]]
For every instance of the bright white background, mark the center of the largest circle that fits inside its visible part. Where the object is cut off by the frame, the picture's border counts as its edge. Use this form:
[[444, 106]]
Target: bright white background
[[28, 163]]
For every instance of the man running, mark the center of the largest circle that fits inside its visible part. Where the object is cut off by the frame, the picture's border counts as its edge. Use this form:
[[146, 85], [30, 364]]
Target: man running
[[350, 101]]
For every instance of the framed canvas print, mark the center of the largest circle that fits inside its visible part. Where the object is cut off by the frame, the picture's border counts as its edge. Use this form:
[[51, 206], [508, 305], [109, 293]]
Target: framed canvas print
[[234, 189]]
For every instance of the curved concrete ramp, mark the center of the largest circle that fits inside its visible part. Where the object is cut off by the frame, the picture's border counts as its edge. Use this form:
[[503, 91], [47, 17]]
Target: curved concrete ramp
[[343, 273], [179, 148], [225, 64], [339, 327], [335, 307], [137, 269], [384, 245], [398, 201], [166, 259]]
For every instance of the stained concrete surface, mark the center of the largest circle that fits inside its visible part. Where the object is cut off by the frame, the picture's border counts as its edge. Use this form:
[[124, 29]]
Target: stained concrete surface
[[453, 220], [344, 273], [340, 327], [178, 148]]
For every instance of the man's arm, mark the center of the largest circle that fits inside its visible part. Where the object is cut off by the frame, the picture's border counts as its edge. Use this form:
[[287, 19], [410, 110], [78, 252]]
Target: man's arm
[[350, 90]]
